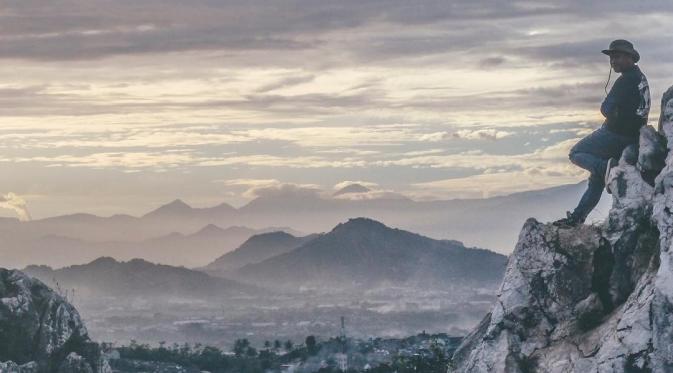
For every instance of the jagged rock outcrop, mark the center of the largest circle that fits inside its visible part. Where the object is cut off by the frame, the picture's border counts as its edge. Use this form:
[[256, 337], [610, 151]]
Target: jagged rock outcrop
[[12, 367], [591, 298], [40, 331], [74, 363]]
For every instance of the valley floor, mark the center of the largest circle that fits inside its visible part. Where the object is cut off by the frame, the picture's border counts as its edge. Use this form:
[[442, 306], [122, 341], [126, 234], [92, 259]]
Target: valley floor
[[392, 312]]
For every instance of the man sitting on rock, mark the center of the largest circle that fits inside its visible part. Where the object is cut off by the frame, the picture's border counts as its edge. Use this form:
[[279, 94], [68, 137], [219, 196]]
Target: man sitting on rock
[[625, 109]]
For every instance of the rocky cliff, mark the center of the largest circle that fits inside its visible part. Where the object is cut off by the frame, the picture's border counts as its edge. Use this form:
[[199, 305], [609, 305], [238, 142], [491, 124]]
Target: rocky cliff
[[591, 298], [40, 331]]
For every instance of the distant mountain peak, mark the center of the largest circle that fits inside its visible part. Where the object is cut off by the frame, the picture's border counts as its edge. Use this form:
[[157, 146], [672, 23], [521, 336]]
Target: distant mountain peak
[[177, 204], [224, 206], [268, 238], [108, 262], [140, 261], [358, 224], [210, 229], [274, 234], [176, 207], [137, 277], [258, 248], [365, 251], [352, 188], [103, 260], [77, 217], [37, 268]]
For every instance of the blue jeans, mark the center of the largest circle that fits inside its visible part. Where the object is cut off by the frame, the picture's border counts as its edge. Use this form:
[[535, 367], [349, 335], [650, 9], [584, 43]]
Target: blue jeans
[[592, 154]]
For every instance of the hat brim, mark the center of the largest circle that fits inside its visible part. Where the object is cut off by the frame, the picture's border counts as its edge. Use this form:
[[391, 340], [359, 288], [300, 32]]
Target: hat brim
[[636, 55]]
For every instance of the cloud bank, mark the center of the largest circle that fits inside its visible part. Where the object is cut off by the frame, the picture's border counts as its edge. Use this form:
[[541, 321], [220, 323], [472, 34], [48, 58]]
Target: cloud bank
[[13, 202], [166, 98]]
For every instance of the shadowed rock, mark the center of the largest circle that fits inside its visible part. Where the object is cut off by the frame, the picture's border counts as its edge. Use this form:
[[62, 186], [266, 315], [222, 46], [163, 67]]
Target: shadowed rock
[[40, 331]]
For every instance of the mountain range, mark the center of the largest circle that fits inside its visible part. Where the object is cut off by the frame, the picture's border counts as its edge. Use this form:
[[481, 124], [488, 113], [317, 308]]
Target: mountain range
[[108, 277], [256, 249], [178, 249], [359, 254], [363, 253], [490, 223]]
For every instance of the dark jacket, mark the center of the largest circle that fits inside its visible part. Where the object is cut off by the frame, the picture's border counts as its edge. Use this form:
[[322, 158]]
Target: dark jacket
[[628, 104]]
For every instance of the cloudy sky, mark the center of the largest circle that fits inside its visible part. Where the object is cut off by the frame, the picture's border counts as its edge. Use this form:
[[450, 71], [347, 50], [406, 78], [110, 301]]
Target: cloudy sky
[[120, 106]]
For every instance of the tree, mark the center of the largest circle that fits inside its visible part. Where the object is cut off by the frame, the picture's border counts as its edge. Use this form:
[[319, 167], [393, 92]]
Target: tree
[[211, 359], [185, 350], [276, 345], [311, 345], [267, 345], [288, 345], [241, 347], [266, 359], [251, 352]]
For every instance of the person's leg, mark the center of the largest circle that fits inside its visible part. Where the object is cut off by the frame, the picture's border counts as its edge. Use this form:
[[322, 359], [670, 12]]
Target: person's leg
[[592, 154], [589, 161], [590, 198], [601, 144]]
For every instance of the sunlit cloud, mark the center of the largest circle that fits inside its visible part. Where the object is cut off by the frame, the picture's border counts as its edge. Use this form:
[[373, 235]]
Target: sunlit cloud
[[370, 191], [285, 190], [249, 182], [485, 134], [14, 202], [122, 160], [371, 195], [466, 134], [544, 168], [497, 183], [331, 136]]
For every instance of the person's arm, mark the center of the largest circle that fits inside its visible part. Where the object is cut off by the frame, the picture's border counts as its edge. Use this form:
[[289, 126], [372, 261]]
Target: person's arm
[[622, 99], [612, 100]]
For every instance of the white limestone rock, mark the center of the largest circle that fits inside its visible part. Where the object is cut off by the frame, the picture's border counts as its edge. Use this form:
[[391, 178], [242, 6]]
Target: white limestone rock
[[12, 367], [74, 363], [662, 303]]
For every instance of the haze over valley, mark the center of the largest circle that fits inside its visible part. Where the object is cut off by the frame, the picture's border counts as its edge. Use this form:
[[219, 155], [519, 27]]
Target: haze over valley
[[177, 234], [281, 267], [385, 281]]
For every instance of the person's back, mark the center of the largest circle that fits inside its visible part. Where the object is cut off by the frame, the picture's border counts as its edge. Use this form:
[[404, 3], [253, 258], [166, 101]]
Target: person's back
[[627, 106]]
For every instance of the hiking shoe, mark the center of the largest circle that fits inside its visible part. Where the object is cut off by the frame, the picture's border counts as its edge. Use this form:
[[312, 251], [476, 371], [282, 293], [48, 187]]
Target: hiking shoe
[[612, 162], [570, 221]]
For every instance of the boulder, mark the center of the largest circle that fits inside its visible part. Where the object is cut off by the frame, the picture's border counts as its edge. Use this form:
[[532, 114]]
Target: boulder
[[40, 329], [74, 363], [12, 367]]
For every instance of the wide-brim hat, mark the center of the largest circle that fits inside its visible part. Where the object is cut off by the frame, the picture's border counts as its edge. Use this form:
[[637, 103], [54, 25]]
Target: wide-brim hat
[[622, 46]]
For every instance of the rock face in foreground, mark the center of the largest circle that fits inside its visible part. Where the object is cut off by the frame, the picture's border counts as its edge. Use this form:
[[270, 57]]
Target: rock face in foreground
[[591, 299], [40, 331]]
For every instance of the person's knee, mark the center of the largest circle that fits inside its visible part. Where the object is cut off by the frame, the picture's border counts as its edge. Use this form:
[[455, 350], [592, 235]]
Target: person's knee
[[597, 180], [573, 155]]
